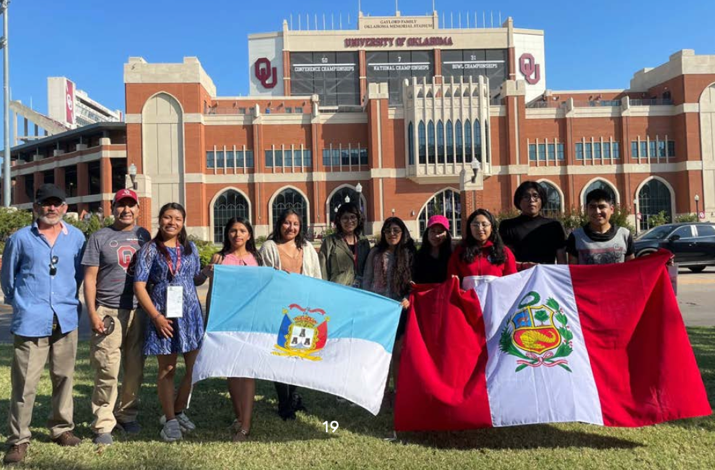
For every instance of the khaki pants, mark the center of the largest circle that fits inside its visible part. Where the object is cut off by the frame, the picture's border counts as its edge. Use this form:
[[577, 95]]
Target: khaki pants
[[28, 362], [107, 353]]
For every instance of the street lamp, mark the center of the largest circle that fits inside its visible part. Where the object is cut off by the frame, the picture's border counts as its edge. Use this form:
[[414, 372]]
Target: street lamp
[[358, 190], [697, 206], [635, 213], [133, 175], [476, 166]]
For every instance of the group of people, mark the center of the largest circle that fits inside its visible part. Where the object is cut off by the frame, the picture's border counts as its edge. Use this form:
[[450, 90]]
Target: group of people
[[142, 300]]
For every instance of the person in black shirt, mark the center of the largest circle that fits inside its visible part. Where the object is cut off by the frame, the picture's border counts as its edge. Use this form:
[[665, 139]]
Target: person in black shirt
[[433, 256], [534, 239]]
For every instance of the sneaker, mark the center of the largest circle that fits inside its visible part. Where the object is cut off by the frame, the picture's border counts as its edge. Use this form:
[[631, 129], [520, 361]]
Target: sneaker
[[131, 427], [103, 439], [184, 422], [171, 431], [16, 454], [68, 439]]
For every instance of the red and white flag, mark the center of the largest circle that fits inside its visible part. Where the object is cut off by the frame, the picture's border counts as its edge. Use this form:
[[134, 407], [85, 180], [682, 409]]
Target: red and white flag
[[597, 344]]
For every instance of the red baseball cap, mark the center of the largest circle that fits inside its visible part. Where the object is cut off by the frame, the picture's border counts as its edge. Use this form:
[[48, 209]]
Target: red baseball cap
[[438, 220], [123, 194]]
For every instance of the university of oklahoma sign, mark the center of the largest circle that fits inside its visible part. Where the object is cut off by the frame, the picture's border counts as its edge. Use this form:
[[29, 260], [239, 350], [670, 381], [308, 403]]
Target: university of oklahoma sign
[[529, 69], [265, 74], [398, 42]]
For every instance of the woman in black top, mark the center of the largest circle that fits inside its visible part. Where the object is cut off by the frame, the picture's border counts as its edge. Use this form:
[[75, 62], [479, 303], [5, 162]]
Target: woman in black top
[[433, 256]]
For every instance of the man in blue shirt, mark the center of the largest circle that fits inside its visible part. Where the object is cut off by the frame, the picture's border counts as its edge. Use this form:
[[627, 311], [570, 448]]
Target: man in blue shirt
[[41, 274]]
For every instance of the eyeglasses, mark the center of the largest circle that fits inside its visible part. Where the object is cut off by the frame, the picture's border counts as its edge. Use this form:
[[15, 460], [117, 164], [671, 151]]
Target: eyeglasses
[[530, 197], [53, 265], [482, 225], [349, 218], [393, 231]]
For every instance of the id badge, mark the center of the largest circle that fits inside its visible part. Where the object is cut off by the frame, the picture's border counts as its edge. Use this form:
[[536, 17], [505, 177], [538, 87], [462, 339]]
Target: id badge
[[174, 301]]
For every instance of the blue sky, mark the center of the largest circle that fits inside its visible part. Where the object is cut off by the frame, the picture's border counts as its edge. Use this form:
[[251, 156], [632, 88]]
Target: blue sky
[[589, 44]]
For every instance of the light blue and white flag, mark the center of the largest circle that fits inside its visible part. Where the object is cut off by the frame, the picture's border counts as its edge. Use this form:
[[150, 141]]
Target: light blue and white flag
[[268, 324]]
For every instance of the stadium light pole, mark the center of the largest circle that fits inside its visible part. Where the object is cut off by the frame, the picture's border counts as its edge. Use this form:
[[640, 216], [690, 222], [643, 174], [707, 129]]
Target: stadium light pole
[[7, 182]]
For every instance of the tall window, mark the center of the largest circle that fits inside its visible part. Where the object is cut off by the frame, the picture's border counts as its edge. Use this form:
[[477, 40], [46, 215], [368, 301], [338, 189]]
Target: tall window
[[440, 141], [468, 140], [411, 143], [228, 205], [421, 138], [450, 142], [653, 198], [551, 207], [446, 203], [291, 199], [477, 140], [430, 142], [459, 141]]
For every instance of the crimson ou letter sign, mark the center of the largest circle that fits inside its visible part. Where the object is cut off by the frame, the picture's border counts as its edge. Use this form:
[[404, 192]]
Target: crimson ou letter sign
[[530, 69], [267, 75]]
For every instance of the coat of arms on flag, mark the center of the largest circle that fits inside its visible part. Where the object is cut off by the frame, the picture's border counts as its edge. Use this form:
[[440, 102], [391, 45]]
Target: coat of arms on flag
[[532, 334], [304, 335]]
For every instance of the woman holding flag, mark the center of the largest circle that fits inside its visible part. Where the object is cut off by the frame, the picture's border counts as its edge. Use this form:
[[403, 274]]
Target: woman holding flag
[[286, 249], [239, 249]]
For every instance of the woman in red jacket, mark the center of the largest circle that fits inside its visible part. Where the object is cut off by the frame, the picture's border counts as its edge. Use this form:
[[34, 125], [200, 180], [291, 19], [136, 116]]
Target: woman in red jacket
[[482, 252]]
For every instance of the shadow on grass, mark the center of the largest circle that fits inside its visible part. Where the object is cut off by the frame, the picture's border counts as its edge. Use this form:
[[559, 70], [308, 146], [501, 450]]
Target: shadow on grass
[[539, 436]]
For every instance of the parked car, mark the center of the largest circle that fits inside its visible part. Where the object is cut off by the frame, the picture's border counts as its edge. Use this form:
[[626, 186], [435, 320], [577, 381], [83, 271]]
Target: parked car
[[693, 244]]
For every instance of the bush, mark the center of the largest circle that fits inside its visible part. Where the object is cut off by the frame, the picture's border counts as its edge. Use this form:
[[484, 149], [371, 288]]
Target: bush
[[11, 220], [206, 249], [88, 227], [574, 218], [659, 219], [686, 218], [503, 215]]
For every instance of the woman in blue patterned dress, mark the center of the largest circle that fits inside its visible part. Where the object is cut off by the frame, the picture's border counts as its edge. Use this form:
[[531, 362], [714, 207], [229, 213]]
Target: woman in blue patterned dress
[[169, 266]]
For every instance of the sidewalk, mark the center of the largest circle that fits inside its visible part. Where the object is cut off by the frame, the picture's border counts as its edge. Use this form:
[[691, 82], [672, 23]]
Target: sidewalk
[[84, 330]]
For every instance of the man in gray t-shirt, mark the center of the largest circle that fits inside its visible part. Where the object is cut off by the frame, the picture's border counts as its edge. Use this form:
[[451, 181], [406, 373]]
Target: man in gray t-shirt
[[116, 321], [599, 241]]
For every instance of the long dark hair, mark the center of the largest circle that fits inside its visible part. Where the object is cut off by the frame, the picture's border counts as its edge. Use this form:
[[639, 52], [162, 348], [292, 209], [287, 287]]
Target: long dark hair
[[183, 238], [445, 249], [276, 235], [349, 208], [471, 247], [404, 255], [250, 243]]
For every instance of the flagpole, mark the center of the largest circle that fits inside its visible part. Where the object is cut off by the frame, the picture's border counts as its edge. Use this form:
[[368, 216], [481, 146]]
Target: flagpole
[[6, 101]]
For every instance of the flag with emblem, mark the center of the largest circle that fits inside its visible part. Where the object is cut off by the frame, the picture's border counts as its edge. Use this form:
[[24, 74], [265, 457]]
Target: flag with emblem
[[268, 324], [597, 344]]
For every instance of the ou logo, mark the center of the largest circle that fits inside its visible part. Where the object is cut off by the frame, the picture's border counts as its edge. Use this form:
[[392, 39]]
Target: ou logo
[[530, 69], [125, 258], [264, 73]]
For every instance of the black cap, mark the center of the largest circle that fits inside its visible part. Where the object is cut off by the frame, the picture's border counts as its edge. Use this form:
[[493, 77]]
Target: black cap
[[48, 191]]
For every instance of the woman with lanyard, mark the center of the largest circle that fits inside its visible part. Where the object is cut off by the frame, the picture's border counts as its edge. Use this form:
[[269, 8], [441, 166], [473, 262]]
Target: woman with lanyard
[[239, 249], [286, 249], [343, 254], [166, 273]]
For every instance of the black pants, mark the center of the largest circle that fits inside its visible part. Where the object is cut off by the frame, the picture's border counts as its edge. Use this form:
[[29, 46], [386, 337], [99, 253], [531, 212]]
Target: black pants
[[286, 397]]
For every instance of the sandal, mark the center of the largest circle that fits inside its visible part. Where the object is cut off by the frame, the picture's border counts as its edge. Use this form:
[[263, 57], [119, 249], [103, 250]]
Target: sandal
[[241, 435], [235, 426]]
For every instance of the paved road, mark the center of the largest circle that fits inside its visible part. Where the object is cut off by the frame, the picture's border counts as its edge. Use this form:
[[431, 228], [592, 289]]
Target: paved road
[[696, 297]]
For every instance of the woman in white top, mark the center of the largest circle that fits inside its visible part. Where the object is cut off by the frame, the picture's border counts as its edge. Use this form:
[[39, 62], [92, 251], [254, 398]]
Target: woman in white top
[[287, 249]]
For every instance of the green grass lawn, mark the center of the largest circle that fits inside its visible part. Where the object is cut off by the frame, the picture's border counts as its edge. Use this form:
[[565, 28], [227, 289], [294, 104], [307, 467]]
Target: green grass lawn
[[359, 442]]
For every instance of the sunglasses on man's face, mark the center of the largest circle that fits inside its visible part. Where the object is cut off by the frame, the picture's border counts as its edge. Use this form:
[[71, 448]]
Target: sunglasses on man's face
[[53, 265]]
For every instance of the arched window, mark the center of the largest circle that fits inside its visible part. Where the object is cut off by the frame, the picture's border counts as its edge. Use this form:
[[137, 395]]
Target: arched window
[[467, 140], [477, 140], [450, 142], [440, 142], [446, 203], [411, 143], [228, 205], [430, 142], [343, 196], [459, 141], [291, 199], [653, 198], [599, 184], [421, 138], [551, 207]]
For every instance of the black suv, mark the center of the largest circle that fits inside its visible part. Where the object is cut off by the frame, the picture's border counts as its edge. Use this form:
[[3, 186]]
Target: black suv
[[693, 244]]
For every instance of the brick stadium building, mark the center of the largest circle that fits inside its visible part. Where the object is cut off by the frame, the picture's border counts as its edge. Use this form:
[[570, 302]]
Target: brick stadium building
[[393, 114]]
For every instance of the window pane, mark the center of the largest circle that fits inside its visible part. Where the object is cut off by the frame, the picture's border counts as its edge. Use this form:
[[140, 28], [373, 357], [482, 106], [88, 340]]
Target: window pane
[[644, 149], [671, 148], [326, 157], [278, 158], [219, 159], [597, 150], [552, 152], [579, 151], [542, 152], [607, 150], [363, 156], [269, 158], [706, 230], [634, 149], [249, 158], [560, 151], [653, 148], [589, 153], [307, 160], [661, 148], [354, 157], [229, 159], [532, 152], [288, 157], [209, 160], [616, 150]]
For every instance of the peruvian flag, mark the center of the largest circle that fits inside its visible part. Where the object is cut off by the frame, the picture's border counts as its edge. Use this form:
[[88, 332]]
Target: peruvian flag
[[597, 344]]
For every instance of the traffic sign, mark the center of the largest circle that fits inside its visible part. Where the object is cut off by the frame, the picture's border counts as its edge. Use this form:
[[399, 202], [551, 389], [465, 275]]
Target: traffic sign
[[701, 215], [639, 216]]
